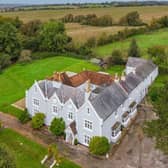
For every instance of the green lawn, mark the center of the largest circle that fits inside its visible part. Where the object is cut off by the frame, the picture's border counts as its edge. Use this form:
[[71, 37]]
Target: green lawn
[[144, 42], [28, 154], [17, 78]]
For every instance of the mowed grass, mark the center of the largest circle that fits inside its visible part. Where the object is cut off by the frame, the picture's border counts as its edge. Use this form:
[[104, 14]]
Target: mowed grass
[[81, 33], [144, 42], [17, 78], [27, 153], [146, 12]]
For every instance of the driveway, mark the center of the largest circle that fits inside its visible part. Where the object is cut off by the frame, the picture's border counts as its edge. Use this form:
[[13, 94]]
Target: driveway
[[127, 155]]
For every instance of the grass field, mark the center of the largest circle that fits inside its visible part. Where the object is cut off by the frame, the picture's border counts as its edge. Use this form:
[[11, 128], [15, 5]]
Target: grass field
[[29, 154], [80, 33], [17, 78], [144, 42], [146, 12]]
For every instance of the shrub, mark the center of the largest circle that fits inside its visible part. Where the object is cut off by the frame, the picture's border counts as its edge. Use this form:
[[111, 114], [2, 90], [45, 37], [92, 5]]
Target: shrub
[[4, 60], [75, 142], [38, 120], [91, 42], [57, 126], [99, 145], [117, 58], [25, 56], [24, 117]]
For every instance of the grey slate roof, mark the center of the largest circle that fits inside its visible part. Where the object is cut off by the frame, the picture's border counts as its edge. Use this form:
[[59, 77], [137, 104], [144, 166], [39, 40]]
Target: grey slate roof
[[135, 62], [109, 100], [131, 82], [64, 93]]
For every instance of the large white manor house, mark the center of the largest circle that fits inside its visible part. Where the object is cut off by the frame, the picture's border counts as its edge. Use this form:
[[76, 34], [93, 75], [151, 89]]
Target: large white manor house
[[92, 103]]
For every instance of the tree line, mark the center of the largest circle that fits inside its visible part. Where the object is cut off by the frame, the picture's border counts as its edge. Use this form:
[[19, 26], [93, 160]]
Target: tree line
[[131, 19]]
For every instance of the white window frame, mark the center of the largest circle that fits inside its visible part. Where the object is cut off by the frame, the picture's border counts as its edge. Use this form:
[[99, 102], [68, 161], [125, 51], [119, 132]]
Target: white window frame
[[36, 102], [88, 125], [70, 115], [53, 109], [87, 139]]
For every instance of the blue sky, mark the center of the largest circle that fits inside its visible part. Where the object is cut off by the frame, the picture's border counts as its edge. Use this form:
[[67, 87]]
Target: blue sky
[[52, 1]]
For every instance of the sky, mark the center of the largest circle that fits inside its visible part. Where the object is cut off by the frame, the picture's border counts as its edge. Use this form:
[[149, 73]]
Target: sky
[[54, 1]]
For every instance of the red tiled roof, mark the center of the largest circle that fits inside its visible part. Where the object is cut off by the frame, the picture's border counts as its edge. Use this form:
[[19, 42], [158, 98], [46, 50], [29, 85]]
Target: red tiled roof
[[82, 77]]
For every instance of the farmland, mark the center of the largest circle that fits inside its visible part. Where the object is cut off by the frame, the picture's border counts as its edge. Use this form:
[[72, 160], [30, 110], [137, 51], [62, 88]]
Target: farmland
[[144, 42], [81, 33], [146, 12]]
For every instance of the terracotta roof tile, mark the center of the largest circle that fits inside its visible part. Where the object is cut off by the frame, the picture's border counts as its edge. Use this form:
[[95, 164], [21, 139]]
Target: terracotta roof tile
[[80, 78]]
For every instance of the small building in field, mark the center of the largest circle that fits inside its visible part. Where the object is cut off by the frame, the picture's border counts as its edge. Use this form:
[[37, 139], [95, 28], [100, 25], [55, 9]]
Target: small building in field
[[92, 103]]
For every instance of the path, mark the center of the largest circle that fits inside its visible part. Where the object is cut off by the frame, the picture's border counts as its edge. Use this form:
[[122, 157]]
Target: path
[[126, 156]]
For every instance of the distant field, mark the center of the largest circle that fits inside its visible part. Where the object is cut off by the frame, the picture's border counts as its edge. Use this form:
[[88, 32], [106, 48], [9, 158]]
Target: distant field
[[146, 12], [80, 33], [144, 42]]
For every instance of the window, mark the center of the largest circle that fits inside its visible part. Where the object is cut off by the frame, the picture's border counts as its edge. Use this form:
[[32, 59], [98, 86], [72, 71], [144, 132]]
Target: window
[[88, 110], [70, 115], [55, 109], [87, 139], [113, 133], [35, 109], [88, 124], [36, 102]]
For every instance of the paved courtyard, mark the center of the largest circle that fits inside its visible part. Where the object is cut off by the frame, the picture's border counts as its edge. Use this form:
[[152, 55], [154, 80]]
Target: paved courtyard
[[130, 153]]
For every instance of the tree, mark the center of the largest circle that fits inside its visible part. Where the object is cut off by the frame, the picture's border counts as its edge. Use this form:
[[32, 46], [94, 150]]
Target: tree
[[158, 128], [99, 145], [31, 28], [38, 120], [133, 50], [57, 126], [131, 19], [4, 61], [53, 37], [157, 54], [9, 40], [6, 157], [117, 57]]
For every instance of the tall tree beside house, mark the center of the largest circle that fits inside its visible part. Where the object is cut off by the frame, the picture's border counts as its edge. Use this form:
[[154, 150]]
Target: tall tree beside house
[[9, 41], [53, 37], [133, 50], [6, 157], [158, 128]]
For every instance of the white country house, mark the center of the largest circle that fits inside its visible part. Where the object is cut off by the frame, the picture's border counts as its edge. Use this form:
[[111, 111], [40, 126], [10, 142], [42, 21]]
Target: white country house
[[92, 103]]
